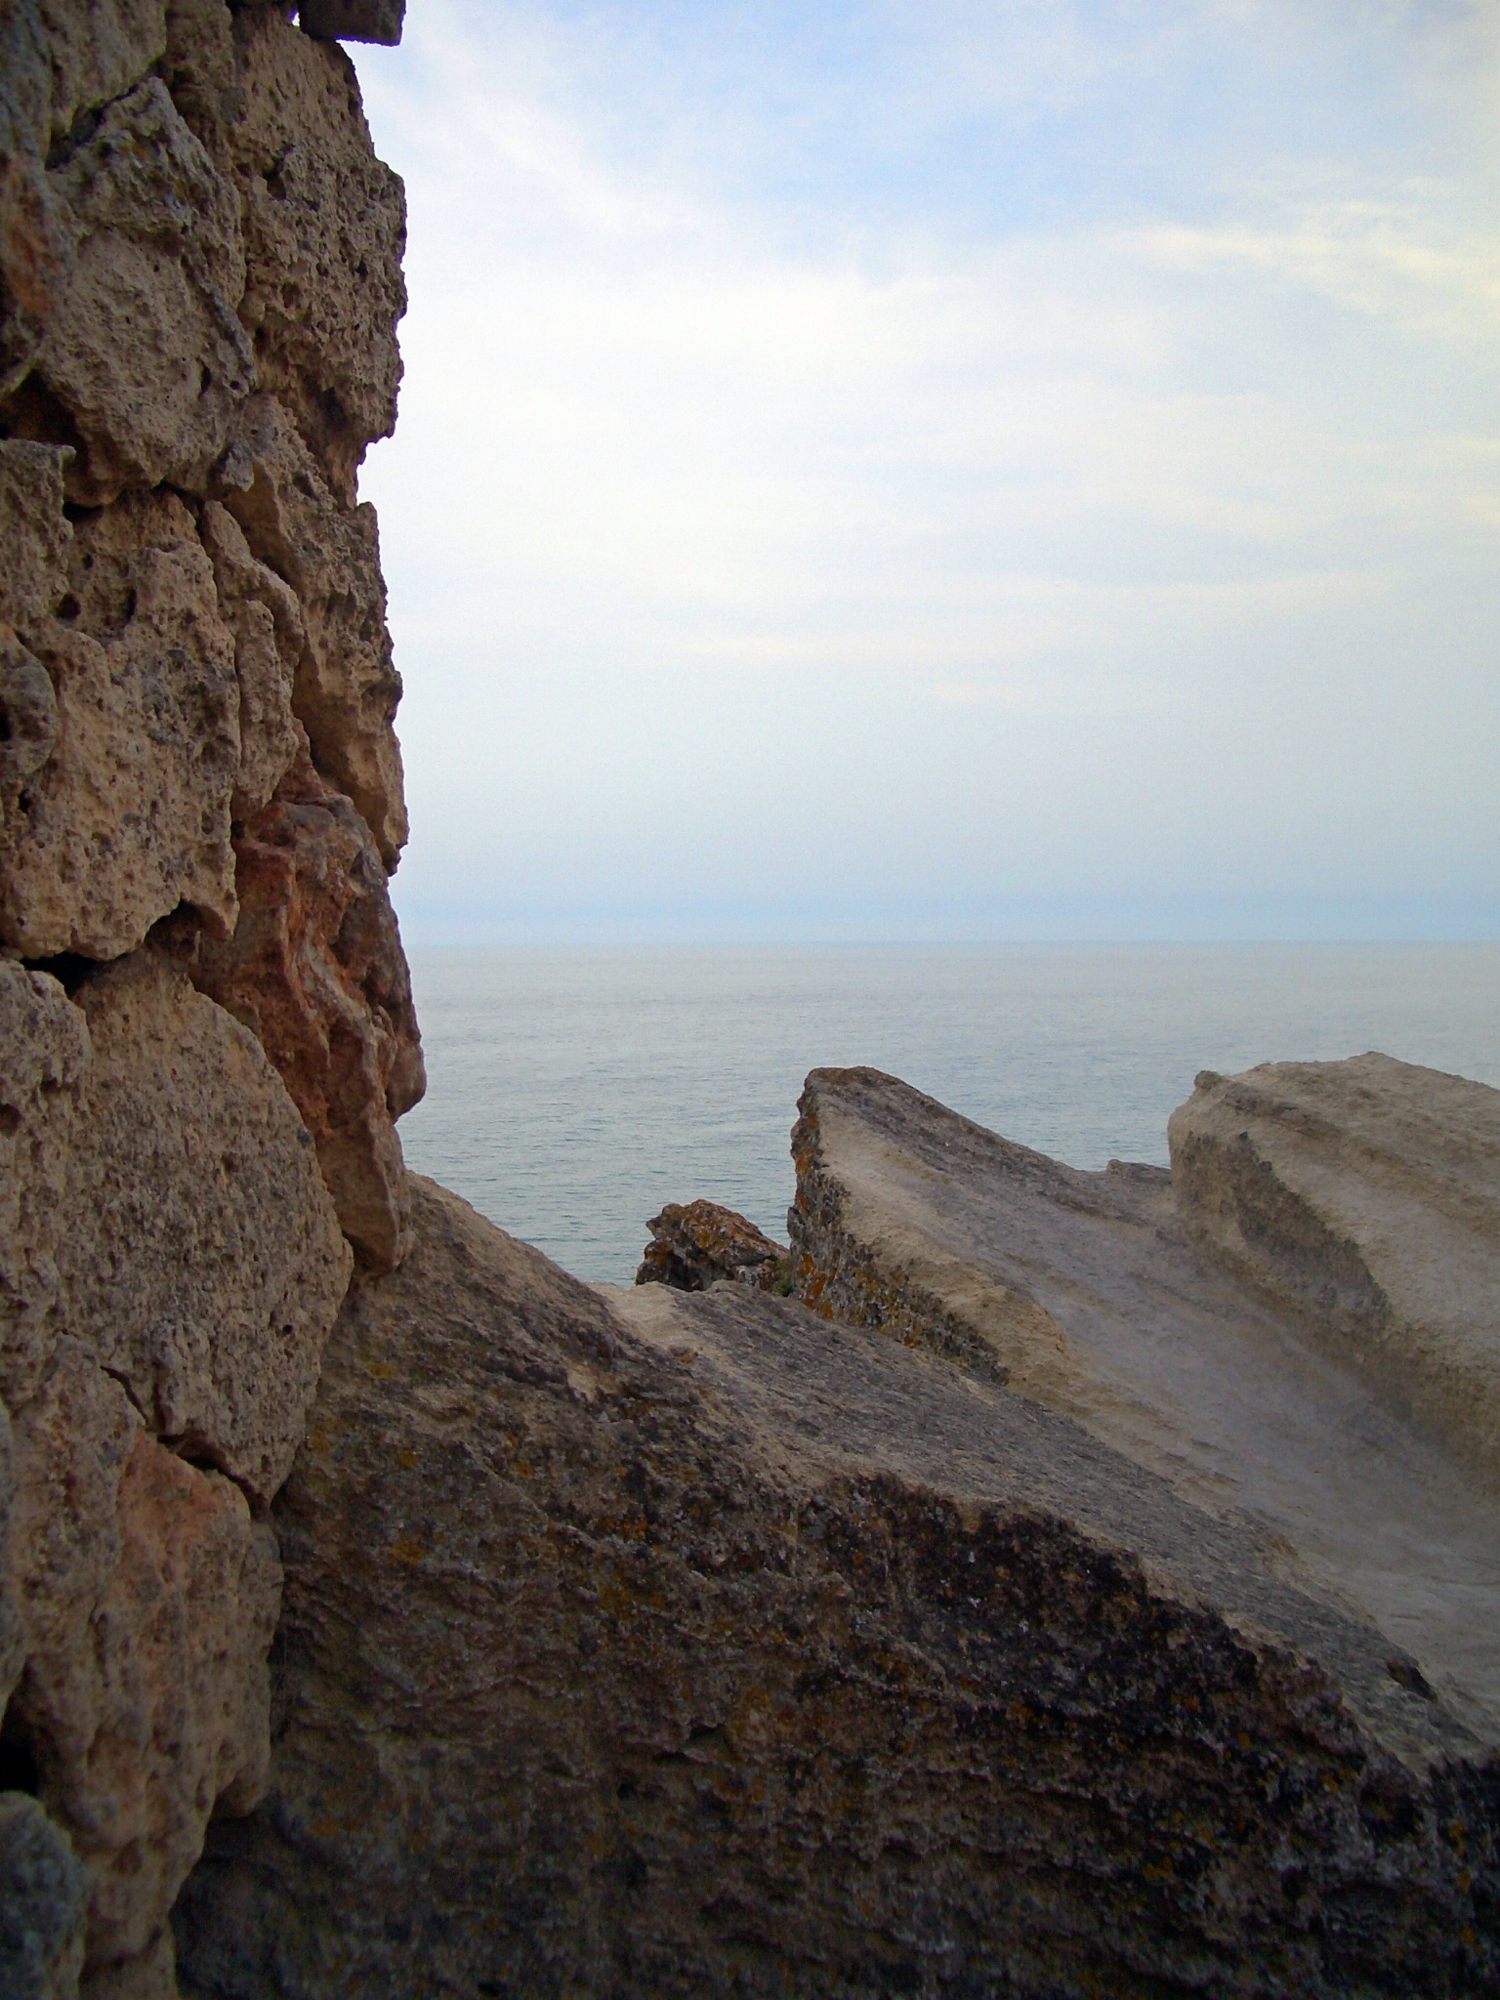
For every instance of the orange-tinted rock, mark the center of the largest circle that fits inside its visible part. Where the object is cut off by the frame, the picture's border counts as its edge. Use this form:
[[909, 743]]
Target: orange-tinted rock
[[698, 1244], [315, 969]]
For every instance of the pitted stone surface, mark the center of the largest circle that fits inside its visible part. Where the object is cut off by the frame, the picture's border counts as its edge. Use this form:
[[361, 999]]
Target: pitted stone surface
[[128, 814], [147, 1598], [187, 1150], [346, 687], [315, 969]]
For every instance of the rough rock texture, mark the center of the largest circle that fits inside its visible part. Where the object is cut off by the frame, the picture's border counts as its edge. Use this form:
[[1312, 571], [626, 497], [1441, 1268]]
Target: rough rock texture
[[1367, 1194], [120, 808], [315, 969], [44, 1893], [346, 688], [324, 226], [148, 1598], [199, 284], [731, 1651], [1084, 1290], [187, 1150], [700, 1244]]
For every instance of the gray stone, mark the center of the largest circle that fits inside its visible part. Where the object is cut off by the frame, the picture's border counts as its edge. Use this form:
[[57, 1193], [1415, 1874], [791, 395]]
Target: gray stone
[[44, 1894], [1365, 1196], [656, 1643]]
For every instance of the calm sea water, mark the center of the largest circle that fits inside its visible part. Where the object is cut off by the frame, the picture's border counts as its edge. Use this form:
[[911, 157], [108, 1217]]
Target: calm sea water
[[572, 1092]]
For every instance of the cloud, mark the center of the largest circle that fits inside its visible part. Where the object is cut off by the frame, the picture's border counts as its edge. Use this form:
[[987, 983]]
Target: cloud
[[1155, 517]]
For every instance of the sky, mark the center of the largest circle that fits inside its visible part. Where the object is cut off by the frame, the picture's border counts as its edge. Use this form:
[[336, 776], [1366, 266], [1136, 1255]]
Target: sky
[[946, 471]]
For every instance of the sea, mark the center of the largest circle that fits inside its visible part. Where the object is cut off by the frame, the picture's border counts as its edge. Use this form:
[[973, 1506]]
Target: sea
[[571, 1092]]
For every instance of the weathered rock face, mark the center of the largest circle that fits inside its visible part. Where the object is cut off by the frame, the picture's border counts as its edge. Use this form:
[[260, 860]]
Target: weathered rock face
[[1083, 1290], [346, 688], [689, 1643], [199, 283], [698, 1244], [148, 1599], [315, 969], [1366, 1194]]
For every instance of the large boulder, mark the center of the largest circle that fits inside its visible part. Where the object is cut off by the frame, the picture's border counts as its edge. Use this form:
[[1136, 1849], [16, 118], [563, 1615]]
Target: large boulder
[[1364, 1195], [666, 1643]]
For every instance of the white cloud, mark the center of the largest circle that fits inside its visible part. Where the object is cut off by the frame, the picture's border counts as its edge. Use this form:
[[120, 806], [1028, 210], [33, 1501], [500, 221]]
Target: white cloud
[[683, 478]]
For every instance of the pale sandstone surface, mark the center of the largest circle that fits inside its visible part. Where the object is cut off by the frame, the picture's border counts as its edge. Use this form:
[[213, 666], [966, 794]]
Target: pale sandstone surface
[[1083, 1291], [147, 1598], [200, 1259], [1365, 1194], [346, 687], [266, 620], [728, 1651], [315, 969]]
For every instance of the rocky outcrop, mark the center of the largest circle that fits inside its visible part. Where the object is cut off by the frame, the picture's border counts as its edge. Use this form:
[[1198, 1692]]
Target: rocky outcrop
[[698, 1244], [1085, 1291], [652, 1642], [1366, 1195], [200, 798]]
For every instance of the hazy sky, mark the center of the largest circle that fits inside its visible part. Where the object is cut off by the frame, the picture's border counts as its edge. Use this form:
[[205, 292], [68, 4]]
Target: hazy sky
[[947, 470]]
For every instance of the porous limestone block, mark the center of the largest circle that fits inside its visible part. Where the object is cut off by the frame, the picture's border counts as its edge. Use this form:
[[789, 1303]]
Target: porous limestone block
[[44, 1895], [346, 688], [325, 226], [315, 968], [1366, 1195], [34, 532], [44, 1049], [200, 1259], [148, 1598], [59, 62], [142, 351], [269, 638], [128, 812]]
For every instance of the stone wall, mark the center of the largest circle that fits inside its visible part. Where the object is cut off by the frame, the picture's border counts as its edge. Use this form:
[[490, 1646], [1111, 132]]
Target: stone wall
[[206, 1029]]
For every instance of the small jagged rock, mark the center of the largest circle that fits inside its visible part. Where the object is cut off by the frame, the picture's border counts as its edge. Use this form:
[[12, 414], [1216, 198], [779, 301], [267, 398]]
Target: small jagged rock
[[700, 1244], [1365, 1194], [44, 1896], [315, 969], [147, 1598], [346, 687]]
